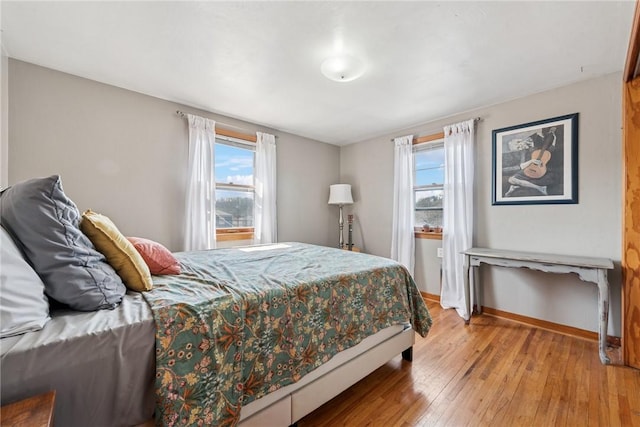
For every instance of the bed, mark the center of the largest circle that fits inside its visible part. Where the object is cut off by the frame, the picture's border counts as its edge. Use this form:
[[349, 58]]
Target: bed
[[258, 335], [100, 363]]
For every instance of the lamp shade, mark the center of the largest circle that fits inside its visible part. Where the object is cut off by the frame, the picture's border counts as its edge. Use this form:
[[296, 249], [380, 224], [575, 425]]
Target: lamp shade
[[340, 194]]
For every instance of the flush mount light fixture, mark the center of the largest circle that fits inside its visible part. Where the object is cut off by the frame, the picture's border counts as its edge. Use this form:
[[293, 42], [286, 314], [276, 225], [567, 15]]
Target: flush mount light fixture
[[342, 68]]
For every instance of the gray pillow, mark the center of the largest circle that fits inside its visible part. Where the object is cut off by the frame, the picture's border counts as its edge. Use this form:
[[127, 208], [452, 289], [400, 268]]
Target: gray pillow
[[44, 223], [23, 305]]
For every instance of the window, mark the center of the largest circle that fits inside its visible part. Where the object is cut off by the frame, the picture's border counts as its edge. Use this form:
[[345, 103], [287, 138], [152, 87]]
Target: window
[[235, 161], [428, 182]]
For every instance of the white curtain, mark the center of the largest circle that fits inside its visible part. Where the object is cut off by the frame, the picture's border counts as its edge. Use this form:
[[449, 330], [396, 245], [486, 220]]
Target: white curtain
[[402, 237], [200, 215], [265, 225], [459, 142]]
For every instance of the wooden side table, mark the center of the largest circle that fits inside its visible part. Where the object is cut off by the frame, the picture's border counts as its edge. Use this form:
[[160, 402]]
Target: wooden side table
[[588, 269], [36, 411]]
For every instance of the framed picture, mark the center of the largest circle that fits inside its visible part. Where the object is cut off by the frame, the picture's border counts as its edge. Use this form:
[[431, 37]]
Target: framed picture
[[536, 163]]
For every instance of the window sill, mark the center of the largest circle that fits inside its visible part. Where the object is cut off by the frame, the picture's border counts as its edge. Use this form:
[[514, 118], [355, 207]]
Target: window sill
[[229, 234], [428, 235]]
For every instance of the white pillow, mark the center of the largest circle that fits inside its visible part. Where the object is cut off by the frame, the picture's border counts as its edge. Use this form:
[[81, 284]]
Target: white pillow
[[23, 304]]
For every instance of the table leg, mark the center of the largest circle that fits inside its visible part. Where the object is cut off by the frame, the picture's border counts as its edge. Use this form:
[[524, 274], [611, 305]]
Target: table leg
[[603, 314], [467, 295], [476, 286]]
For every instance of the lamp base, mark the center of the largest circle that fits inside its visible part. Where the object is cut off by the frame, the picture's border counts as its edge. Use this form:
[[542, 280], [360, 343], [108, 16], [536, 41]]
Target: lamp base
[[341, 222]]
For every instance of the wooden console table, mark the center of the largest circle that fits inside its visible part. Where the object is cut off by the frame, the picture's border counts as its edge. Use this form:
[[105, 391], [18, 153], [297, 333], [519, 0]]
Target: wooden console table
[[588, 269]]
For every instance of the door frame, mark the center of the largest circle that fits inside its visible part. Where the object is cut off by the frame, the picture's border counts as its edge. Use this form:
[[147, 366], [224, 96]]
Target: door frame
[[631, 197]]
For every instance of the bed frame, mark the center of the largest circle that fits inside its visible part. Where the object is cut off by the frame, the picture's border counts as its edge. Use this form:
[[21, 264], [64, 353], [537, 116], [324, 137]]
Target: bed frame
[[288, 405]]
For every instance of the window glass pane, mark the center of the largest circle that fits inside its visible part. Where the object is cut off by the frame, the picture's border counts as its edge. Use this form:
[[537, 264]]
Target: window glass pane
[[431, 218], [234, 208], [429, 199], [429, 208], [429, 171], [429, 176], [234, 164], [429, 166]]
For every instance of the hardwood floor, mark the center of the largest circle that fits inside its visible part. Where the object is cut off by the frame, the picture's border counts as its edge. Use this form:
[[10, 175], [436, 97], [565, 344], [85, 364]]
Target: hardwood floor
[[494, 372]]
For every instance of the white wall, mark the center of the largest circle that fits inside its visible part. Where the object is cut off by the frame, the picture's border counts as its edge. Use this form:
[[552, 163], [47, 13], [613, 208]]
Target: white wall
[[4, 117], [428, 266], [368, 167], [124, 154], [590, 228]]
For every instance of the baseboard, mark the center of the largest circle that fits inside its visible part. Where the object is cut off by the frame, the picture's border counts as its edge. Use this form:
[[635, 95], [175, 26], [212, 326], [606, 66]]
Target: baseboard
[[538, 323], [430, 297]]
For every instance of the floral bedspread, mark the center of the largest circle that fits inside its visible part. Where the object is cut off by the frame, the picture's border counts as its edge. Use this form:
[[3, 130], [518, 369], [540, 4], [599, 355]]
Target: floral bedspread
[[240, 323]]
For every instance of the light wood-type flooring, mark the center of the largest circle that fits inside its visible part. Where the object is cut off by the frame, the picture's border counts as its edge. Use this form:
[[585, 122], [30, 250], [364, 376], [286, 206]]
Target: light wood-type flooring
[[494, 372]]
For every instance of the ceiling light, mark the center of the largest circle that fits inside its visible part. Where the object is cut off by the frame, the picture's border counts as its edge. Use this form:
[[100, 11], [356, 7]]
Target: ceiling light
[[342, 68]]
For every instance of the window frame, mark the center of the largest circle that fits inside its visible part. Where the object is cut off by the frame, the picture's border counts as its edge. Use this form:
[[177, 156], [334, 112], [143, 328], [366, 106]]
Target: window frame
[[434, 140], [236, 139]]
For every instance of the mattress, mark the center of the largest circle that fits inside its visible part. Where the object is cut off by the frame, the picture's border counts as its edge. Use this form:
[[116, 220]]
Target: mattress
[[101, 365]]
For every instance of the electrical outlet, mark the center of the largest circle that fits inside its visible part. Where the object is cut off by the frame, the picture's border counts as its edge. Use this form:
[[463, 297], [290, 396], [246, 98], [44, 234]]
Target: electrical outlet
[[439, 252]]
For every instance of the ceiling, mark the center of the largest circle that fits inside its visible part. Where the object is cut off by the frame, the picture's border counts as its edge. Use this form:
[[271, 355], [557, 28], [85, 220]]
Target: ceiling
[[260, 61]]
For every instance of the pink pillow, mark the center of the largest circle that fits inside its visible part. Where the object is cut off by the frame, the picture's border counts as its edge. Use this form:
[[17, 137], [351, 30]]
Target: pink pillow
[[157, 257]]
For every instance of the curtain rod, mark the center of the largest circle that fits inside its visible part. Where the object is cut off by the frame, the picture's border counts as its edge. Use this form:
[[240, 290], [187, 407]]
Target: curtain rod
[[184, 116], [475, 119]]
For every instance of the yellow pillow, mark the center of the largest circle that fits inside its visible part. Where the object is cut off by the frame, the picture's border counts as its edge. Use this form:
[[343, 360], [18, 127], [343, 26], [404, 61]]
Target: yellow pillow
[[120, 253]]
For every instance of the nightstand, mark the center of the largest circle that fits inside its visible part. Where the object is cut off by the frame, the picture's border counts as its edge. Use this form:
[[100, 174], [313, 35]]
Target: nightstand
[[353, 248], [36, 411]]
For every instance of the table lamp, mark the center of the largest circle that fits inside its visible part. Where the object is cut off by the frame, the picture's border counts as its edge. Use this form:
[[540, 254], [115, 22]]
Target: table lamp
[[340, 194]]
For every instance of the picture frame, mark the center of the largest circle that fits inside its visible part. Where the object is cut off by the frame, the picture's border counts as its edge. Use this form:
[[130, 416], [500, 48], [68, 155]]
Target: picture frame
[[536, 163]]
